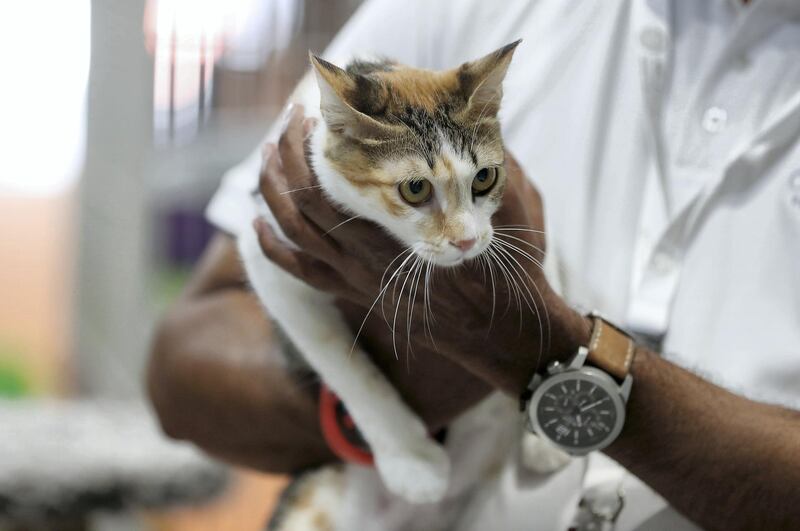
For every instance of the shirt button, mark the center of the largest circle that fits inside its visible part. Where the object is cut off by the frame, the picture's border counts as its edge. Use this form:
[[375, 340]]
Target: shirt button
[[653, 39], [794, 180], [743, 61], [715, 119], [664, 263]]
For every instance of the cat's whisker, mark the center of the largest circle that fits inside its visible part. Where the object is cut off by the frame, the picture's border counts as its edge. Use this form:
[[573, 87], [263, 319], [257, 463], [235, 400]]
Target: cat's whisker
[[411, 275], [407, 250], [507, 246], [512, 289], [510, 247], [481, 261], [492, 257], [412, 301], [428, 307], [396, 282], [517, 267], [420, 280], [340, 224], [518, 229], [383, 287], [425, 324], [312, 187], [494, 293], [512, 230], [392, 281], [532, 258], [530, 302], [516, 280], [481, 265], [538, 263], [380, 294], [397, 306], [546, 337], [395, 299], [534, 247]]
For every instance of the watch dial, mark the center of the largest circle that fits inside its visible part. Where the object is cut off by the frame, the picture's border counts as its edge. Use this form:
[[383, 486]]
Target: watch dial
[[576, 413]]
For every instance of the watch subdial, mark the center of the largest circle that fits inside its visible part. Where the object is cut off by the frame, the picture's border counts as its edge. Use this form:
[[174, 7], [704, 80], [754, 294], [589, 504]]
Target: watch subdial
[[576, 413]]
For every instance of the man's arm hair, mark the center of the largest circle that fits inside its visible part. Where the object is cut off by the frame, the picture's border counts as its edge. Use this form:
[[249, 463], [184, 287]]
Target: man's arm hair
[[216, 377], [724, 461]]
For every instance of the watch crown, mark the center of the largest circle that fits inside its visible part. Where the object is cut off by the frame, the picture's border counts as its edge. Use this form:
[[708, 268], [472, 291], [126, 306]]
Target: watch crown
[[555, 367]]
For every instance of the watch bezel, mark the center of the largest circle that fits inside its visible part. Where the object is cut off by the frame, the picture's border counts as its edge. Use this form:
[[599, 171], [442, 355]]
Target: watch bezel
[[596, 377]]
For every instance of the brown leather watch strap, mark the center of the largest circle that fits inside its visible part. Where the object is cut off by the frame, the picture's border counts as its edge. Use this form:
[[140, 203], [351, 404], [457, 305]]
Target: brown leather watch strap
[[611, 349]]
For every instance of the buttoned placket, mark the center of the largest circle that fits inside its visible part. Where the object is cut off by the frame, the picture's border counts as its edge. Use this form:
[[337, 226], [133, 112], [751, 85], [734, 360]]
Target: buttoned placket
[[666, 229], [654, 271], [604, 482], [664, 235]]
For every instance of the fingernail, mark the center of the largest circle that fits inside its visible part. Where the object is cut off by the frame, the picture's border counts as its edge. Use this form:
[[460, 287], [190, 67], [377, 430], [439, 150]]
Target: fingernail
[[309, 124], [266, 153], [287, 116], [259, 224]]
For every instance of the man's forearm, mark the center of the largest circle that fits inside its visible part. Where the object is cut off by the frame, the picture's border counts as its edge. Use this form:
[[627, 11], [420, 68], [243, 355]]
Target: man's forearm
[[215, 378], [722, 460]]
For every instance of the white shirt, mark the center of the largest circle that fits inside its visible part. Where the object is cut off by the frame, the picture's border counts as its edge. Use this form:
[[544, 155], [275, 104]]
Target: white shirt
[[663, 136]]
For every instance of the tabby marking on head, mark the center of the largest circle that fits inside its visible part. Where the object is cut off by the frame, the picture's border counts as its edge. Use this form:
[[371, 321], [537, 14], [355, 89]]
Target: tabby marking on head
[[413, 150]]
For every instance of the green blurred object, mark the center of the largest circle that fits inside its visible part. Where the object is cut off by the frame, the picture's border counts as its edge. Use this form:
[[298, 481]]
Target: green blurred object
[[168, 285], [13, 379]]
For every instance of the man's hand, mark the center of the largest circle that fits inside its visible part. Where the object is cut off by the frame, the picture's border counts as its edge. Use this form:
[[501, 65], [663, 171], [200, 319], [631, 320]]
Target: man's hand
[[218, 378], [497, 317]]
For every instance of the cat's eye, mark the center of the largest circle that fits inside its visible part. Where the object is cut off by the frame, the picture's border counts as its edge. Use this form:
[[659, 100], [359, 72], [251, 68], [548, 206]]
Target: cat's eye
[[416, 192], [484, 180]]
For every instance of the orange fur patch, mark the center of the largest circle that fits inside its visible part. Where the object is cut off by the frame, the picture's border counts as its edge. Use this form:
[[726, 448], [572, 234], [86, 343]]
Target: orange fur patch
[[443, 167], [392, 205], [419, 88]]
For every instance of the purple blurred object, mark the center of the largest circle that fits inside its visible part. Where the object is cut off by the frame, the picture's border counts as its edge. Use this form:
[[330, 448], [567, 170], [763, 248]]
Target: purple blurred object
[[187, 234]]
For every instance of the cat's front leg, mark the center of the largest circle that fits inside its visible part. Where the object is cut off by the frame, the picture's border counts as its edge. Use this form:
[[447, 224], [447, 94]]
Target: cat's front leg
[[410, 463]]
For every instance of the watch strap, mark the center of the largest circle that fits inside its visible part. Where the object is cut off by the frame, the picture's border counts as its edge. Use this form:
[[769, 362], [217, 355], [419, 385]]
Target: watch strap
[[611, 349]]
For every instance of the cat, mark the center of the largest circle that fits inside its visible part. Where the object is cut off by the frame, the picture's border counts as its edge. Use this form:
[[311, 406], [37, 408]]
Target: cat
[[420, 153]]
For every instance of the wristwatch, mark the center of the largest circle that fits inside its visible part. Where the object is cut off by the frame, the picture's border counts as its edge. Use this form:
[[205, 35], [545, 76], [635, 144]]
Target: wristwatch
[[579, 406]]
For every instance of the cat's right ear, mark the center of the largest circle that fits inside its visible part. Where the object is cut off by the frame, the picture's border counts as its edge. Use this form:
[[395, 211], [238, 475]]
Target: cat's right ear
[[336, 86], [481, 81]]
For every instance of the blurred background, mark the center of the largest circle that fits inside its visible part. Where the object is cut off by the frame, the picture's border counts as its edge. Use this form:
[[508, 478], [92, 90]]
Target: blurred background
[[117, 120]]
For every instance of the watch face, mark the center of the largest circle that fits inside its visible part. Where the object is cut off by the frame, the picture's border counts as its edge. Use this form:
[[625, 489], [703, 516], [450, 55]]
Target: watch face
[[577, 412]]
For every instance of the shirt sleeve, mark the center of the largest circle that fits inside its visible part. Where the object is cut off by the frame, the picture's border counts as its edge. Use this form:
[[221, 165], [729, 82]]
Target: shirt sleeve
[[380, 28]]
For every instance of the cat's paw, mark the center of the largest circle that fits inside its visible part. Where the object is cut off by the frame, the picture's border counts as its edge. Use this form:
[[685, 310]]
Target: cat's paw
[[542, 457], [419, 473]]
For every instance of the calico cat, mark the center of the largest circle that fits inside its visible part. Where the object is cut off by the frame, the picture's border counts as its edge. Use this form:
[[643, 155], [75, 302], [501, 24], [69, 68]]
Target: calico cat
[[419, 153]]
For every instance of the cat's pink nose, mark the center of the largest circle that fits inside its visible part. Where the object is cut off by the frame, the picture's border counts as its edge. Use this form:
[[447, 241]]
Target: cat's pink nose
[[464, 245]]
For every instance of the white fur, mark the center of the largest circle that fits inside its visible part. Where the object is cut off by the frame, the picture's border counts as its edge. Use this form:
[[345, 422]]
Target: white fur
[[410, 463]]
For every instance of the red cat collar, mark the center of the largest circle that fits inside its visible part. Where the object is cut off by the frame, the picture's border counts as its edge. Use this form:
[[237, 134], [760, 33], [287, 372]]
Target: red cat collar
[[340, 431]]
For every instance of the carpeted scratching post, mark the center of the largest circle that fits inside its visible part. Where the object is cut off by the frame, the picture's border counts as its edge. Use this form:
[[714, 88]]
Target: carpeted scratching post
[[60, 461]]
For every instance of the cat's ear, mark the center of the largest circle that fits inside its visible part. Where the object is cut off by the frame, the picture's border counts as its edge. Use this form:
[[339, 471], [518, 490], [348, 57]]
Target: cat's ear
[[336, 88], [481, 81]]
